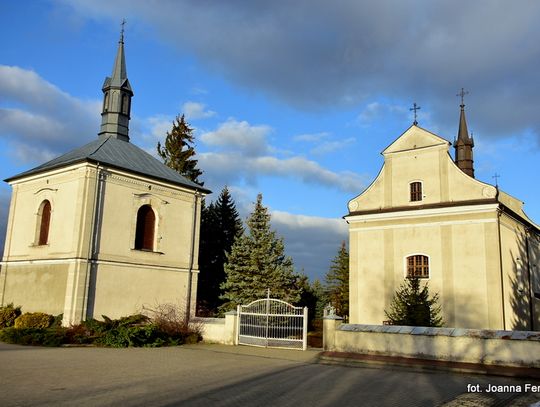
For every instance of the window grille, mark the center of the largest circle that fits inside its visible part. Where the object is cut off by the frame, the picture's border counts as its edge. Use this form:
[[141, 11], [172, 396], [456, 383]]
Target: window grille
[[416, 191], [418, 266]]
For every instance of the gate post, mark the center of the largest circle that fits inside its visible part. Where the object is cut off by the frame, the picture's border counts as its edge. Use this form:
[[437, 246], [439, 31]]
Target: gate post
[[304, 329], [330, 325], [238, 317]]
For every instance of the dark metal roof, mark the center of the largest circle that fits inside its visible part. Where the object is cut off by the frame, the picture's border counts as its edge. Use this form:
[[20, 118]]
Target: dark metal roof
[[112, 152]]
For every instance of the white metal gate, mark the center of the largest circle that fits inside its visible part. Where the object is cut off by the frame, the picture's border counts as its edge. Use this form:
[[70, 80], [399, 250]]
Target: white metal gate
[[272, 323]]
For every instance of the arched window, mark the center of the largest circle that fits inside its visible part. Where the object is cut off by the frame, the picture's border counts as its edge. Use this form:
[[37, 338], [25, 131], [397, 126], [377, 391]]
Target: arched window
[[416, 191], [144, 233], [418, 266], [44, 222]]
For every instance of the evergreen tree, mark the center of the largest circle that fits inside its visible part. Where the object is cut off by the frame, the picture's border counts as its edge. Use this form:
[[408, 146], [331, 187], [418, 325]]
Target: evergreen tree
[[257, 262], [220, 225], [412, 306], [314, 298], [337, 282], [229, 220], [319, 293], [178, 151]]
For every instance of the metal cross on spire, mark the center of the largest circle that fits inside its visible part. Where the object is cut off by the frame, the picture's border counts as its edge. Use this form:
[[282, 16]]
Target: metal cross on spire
[[462, 94], [123, 23], [496, 176], [415, 108]]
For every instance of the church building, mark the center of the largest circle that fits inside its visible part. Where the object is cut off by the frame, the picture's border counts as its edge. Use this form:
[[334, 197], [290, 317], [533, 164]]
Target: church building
[[426, 216], [105, 229]]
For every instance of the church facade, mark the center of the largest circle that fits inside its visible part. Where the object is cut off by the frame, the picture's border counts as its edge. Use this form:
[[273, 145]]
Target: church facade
[[426, 216], [105, 229]]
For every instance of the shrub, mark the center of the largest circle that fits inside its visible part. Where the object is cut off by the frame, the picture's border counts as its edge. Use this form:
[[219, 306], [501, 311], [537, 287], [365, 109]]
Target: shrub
[[142, 335], [166, 327], [171, 320], [80, 334], [34, 336], [8, 315], [136, 319], [412, 305], [34, 320], [95, 326], [57, 322]]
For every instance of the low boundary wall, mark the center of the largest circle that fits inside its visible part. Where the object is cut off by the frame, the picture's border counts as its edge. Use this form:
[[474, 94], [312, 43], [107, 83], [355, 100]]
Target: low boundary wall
[[219, 330], [501, 348]]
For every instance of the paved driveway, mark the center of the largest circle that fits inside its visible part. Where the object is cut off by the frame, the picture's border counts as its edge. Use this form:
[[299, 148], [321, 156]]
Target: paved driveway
[[215, 375]]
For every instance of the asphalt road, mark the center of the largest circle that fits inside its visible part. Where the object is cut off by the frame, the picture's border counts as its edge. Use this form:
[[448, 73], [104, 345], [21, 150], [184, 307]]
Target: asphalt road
[[216, 375]]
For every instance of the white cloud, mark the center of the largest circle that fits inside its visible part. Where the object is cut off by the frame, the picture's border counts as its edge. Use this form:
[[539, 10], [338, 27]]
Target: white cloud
[[292, 221], [199, 91], [244, 155], [231, 167], [332, 146], [375, 110], [35, 112], [22, 86], [323, 143], [28, 153], [239, 136], [31, 126], [324, 56], [310, 138], [195, 110], [311, 241], [153, 128]]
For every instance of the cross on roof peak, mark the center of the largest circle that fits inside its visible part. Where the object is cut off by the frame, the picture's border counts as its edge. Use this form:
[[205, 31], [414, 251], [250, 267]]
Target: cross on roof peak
[[496, 176], [415, 108]]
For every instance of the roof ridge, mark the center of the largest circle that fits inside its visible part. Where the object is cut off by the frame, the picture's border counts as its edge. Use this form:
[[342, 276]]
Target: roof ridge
[[99, 147]]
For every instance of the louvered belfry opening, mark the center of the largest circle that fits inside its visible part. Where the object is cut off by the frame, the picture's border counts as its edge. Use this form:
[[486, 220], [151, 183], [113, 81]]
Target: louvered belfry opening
[[44, 222], [144, 234]]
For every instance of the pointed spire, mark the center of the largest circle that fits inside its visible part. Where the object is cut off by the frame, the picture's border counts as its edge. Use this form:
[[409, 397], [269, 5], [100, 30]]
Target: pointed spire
[[117, 94], [464, 144], [119, 74]]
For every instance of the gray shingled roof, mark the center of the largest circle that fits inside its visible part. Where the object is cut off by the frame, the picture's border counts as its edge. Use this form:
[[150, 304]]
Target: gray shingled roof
[[119, 154]]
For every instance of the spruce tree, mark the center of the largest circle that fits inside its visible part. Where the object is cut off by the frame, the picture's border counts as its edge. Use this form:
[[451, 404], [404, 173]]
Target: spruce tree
[[257, 262], [314, 298], [178, 151], [337, 282], [412, 306], [220, 225]]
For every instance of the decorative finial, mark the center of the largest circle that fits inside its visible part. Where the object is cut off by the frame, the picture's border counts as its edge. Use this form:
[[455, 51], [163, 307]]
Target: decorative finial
[[415, 108], [462, 94], [496, 176], [123, 23]]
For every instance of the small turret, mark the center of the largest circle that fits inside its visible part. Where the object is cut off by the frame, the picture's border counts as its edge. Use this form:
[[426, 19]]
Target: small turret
[[464, 144], [117, 96]]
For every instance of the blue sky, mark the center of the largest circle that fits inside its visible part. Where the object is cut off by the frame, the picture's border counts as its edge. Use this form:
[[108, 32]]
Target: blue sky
[[292, 99]]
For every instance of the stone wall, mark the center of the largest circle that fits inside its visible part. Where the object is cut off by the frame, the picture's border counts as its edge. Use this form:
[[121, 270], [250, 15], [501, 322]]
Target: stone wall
[[502, 348]]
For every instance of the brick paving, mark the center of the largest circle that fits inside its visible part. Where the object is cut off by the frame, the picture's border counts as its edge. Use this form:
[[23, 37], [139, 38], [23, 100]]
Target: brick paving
[[217, 375]]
